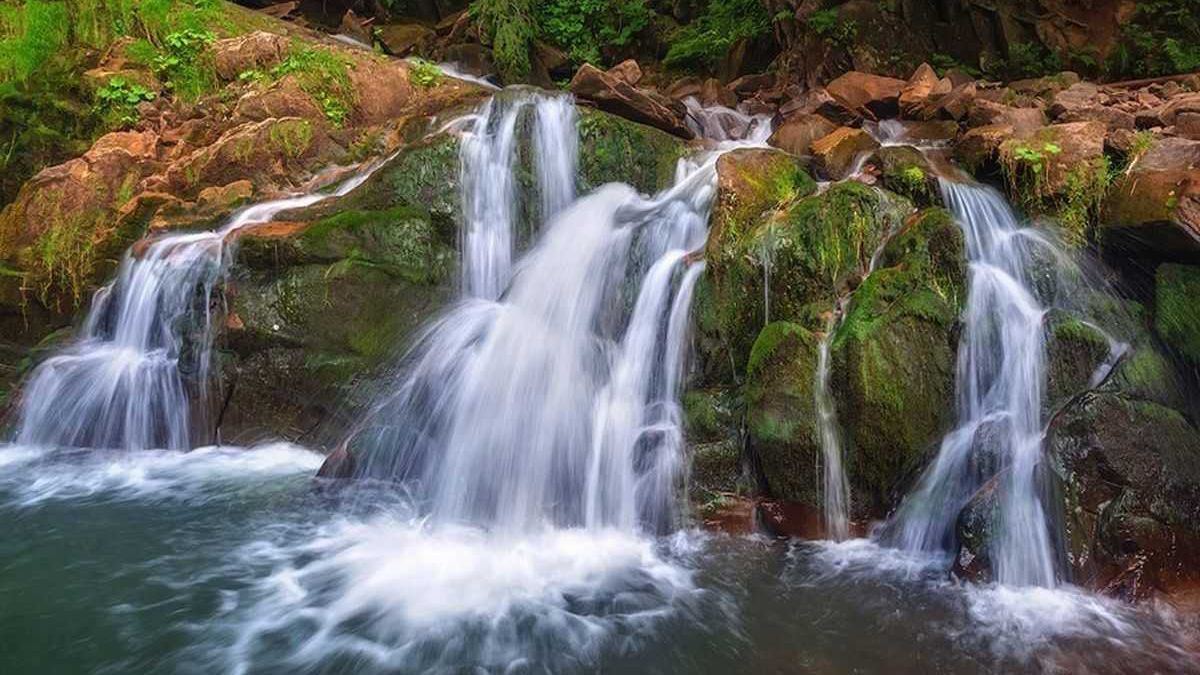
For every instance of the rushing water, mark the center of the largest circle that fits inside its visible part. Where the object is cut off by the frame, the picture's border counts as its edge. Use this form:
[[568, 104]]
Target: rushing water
[[1000, 380], [137, 378]]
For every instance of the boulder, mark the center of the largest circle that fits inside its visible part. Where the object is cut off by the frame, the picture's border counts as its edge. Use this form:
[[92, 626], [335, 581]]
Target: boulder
[[905, 170], [259, 50], [712, 92], [628, 71], [981, 145], [612, 148], [836, 153], [1177, 308], [797, 133], [916, 93], [871, 96], [406, 39], [1022, 120], [893, 358], [1075, 352], [1154, 208], [621, 98], [1041, 165]]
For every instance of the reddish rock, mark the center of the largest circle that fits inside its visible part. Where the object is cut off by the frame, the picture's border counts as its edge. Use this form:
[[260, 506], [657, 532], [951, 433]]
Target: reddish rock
[[916, 93], [797, 133], [406, 39], [685, 87], [621, 98], [712, 92], [1187, 125], [1078, 144], [1155, 207], [627, 71], [1022, 120], [836, 152], [981, 145], [872, 96], [259, 50]]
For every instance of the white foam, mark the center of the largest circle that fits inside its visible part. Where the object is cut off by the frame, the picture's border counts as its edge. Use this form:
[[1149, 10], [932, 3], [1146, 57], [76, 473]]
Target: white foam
[[39, 474], [399, 595], [1021, 620]]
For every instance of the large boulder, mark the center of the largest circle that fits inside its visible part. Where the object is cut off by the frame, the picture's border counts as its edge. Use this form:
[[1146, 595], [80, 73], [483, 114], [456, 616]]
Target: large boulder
[[798, 132], [907, 171], [1154, 208], [1177, 308], [616, 95], [612, 149], [836, 153], [893, 358], [872, 96]]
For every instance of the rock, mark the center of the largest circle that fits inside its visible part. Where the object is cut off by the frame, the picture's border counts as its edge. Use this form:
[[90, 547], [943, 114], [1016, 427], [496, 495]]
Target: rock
[[259, 50], [712, 92], [226, 197], [893, 358], [472, 58], [872, 96], [956, 105], [916, 93], [1023, 121], [780, 412], [748, 86], [835, 153], [685, 87], [406, 39], [928, 131], [282, 99], [904, 170], [1130, 477], [981, 145], [1187, 125], [1075, 351], [621, 98], [797, 133], [612, 148], [555, 62], [1177, 310], [628, 71], [1155, 207], [354, 27], [1063, 149]]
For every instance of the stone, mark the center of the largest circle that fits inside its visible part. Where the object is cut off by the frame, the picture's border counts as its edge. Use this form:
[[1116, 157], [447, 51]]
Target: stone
[[904, 170], [836, 152], [797, 133], [1177, 308], [981, 145], [869, 95], [1063, 149], [1187, 125], [685, 87], [712, 92], [406, 39], [259, 50], [627, 71], [1154, 209], [620, 98], [918, 90]]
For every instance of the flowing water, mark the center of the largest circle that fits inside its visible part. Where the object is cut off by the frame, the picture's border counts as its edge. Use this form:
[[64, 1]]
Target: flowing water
[[1000, 380], [517, 505]]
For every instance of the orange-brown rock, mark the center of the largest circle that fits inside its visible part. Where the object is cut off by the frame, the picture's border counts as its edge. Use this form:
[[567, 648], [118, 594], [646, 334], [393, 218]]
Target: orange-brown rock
[[797, 133], [872, 96], [836, 152], [259, 50], [621, 98]]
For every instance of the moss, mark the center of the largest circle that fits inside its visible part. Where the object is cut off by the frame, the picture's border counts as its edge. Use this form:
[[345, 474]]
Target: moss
[[292, 136], [324, 75], [1177, 308], [1074, 350], [905, 171], [612, 148], [400, 241]]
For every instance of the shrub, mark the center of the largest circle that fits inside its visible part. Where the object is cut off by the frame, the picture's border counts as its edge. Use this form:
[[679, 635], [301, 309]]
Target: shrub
[[586, 28], [324, 75], [424, 73], [703, 42], [511, 27], [118, 99]]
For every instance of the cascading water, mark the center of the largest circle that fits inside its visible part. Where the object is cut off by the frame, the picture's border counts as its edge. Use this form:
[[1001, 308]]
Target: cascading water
[[143, 360], [1001, 371], [834, 483], [556, 404]]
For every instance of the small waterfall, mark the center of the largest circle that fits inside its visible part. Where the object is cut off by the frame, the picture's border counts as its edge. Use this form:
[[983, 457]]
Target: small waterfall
[[555, 401], [1001, 372], [835, 487], [490, 195], [142, 363]]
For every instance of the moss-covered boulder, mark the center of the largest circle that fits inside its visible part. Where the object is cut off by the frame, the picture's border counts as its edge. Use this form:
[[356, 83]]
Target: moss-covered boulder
[[781, 412], [1177, 308], [614, 149], [1075, 352], [894, 357], [1130, 478], [904, 170]]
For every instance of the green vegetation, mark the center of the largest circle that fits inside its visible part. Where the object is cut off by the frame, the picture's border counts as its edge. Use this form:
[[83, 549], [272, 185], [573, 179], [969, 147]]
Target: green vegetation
[[511, 26], [323, 75], [425, 73], [831, 27], [1176, 316], [1162, 39], [705, 41], [118, 99], [585, 28]]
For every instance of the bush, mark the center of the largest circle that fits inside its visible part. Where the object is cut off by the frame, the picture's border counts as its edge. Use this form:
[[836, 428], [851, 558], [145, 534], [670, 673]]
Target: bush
[[703, 42], [118, 99], [1162, 39], [585, 29], [511, 27]]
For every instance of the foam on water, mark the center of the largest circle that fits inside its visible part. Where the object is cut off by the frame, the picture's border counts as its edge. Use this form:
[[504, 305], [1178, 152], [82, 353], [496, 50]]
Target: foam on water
[[43, 474]]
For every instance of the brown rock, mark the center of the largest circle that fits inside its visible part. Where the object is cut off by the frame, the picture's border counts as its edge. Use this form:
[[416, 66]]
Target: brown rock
[[1078, 144], [1022, 120], [406, 39], [869, 95], [836, 152], [747, 86], [916, 93], [797, 133], [1155, 207], [627, 71], [226, 197], [685, 87], [621, 98], [258, 50], [955, 105], [981, 145], [1187, 125], [712, 92], [282, 99]]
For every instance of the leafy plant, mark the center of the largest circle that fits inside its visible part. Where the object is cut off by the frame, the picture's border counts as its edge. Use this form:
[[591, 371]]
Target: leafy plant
[[324, 75], [1163, 38], [511, 26], [184, 64], [586, 28], [831, 27], [118, 100], [425, 73], [705, 41]]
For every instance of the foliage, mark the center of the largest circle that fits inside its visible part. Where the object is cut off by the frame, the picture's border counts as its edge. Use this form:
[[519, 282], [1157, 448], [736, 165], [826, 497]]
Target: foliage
[[1025, 167], [831, 27], [703, 42], [1162, 39], [118, 100], [511, 26], [425, 73], [324, 75], [184, 65], [585, 28]]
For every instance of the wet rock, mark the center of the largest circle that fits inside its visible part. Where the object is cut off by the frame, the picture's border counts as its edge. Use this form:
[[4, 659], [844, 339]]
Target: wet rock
[[1075, 352], [1177, 308], [893, 358], [923, 85], [980, 146], [797, 133], [628, 71], [1154, 208], [612, 148], [259, 50], [835, 153], [406, 39], [904, 170], [621, 98], [712, 92]]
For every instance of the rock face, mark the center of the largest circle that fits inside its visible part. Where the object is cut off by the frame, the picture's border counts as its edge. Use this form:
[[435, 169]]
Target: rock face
[[797, 133], [1154, 208], [617, 95]]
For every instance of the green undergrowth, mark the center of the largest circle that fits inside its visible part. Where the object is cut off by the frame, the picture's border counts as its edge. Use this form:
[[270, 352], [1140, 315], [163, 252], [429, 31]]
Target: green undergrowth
[[322, 74], [1074, 198], [702, 43]]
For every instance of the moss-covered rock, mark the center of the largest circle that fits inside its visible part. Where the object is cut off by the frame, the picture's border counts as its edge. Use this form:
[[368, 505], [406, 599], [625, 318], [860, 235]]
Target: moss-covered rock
[[904, 170], [1177, 308], [1075, 350], [781, 411], [894, 357], [1130, 477], [614, 149]]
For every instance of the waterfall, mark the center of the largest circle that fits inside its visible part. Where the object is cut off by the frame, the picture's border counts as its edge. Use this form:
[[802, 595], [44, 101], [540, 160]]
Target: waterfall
[[144, 355], [1000, 376], [491, 204], [554, 401], [835, 487]]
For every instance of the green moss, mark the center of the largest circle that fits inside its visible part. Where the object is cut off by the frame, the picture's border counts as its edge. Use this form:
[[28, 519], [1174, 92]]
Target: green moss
[[904, 170], [1177, 308], [614, 149], [400, 241], [324, 75], [293, 137]]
